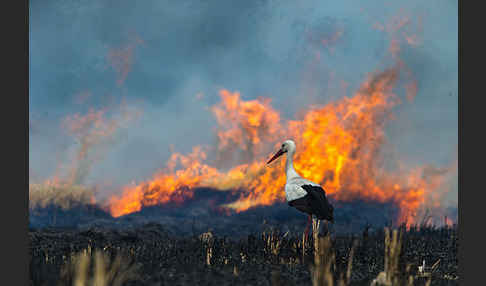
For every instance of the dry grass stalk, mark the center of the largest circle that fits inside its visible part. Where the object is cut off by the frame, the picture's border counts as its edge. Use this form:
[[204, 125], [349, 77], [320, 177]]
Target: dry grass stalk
[[411, 279], [209, 255], [315, 234], [273, 243], [243, 257], [346, 280], [324, 260], [426, 271], [426, 220], [97, 270], [393, 247], [303, 247], [207, 239]]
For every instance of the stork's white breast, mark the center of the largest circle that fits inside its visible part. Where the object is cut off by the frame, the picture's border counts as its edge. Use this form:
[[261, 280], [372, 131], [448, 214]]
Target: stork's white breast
[[293, 189]]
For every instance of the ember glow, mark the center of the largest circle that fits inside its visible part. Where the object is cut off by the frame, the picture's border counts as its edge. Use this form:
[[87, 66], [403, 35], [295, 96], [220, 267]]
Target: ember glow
[[338, 145]]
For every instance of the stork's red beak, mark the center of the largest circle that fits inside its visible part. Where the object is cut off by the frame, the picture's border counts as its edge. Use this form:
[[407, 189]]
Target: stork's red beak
[[278, 154]]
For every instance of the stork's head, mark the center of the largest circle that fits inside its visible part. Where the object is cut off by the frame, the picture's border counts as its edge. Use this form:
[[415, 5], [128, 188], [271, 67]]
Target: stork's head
[[288, 146]]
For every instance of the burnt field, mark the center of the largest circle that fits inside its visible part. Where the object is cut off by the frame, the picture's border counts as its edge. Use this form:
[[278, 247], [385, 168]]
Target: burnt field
[[152, 254], [202, 213], [196, 243]]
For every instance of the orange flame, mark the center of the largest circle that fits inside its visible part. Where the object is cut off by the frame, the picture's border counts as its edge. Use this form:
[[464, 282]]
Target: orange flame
[[338, 146], [168, 186], [245, 125], [448, 222]]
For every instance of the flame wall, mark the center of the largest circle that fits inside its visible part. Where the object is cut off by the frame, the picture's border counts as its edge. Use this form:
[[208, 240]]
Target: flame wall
[[245, 76], [338, 146]]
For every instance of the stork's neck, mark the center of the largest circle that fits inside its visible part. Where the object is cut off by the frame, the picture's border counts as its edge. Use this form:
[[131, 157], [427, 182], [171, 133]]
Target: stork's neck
[[289, 167]]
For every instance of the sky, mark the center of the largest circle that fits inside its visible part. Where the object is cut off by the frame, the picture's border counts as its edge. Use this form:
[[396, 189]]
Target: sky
[[169, 59]]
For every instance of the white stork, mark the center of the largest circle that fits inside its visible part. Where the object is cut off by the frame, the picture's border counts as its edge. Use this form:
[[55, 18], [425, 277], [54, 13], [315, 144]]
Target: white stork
[[304, 195]]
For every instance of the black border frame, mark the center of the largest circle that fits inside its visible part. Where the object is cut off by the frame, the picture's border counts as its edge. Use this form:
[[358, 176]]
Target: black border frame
[[470, 195], [14, 210], [469, 268]]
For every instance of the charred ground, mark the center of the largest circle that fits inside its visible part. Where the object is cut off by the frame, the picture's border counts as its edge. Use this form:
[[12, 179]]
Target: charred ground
[[262, 246], [269, 258], [202, 212]]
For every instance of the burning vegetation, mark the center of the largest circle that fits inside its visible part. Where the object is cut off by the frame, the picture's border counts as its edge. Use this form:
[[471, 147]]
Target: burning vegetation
[[338, 145]]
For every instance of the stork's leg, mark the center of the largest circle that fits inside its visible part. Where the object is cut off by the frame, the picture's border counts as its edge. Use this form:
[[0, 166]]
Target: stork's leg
[[307, 227], [315, 226]]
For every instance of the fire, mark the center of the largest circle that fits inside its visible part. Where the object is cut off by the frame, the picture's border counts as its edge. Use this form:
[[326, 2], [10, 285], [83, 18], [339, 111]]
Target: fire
[[448, 222], [93, 132], [338, 146], [169, 186], [245, 124]]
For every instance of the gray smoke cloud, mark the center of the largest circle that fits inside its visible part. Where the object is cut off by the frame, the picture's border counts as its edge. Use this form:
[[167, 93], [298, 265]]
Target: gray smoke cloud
[[170, 59]]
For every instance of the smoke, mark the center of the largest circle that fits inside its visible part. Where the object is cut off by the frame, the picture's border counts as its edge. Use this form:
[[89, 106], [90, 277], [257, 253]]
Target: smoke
[[94, 134], [171, 58]]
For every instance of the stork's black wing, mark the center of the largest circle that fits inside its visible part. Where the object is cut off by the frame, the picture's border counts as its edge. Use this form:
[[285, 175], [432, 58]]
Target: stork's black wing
[[318, 202]]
